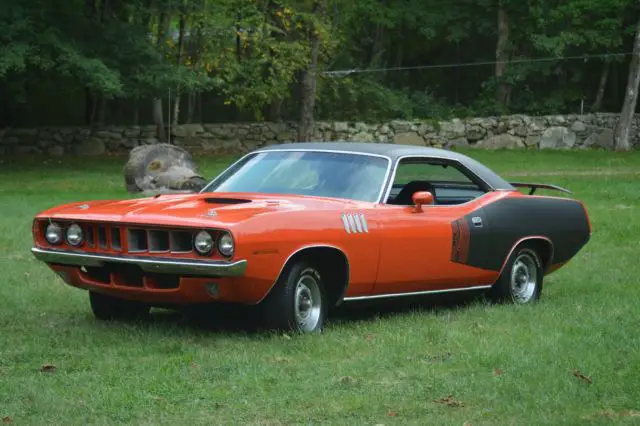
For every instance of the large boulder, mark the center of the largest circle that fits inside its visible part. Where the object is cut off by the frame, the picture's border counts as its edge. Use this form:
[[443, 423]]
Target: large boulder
[[503, 141], [453, 129], [362, 137], [557, 138], [600, 139], [409, 138], [90, 147], [161, 168]]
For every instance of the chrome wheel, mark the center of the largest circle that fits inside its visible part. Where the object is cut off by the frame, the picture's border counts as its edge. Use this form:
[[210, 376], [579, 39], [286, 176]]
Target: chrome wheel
[[307, 302], [524, 278]]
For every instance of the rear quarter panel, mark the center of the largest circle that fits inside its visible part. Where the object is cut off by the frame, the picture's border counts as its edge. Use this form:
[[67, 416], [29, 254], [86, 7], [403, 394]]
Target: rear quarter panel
[[508, 220]]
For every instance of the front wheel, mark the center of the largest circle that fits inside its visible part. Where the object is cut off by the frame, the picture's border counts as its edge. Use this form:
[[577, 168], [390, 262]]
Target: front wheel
[[521, 278], [297, 302], [106, 307]]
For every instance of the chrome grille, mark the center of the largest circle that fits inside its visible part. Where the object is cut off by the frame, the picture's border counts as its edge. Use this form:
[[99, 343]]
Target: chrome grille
[[158, 241], [137, 239], [116, 239], [91, 237], [181, 242], [102, 237]]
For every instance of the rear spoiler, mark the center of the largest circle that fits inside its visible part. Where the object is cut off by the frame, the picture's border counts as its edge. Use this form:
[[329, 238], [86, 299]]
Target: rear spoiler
[[534, 186]]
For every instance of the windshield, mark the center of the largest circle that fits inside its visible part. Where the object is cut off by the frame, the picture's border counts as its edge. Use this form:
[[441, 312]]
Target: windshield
[[322, 174]]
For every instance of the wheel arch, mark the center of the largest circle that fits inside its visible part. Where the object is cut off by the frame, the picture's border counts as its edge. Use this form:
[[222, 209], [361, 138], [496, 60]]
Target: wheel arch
[[331, 261], [544, 248]]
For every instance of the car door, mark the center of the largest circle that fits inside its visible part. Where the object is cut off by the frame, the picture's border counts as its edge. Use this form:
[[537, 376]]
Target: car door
[[420, 248]]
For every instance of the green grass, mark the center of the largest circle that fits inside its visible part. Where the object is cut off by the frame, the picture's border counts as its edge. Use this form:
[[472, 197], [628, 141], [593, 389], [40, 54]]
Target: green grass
[[506, 365]]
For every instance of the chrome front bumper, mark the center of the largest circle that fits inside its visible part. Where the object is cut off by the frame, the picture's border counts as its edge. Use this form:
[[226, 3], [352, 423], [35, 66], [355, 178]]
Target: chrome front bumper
[[210, 268]]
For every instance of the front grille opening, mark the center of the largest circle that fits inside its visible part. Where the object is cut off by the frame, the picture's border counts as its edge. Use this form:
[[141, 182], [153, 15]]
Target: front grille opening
[[102, 237], [98, 274], [91, 238], [181, 241], [164, 281], [116, 241], [158, 241], [137, 240], [128, 275]]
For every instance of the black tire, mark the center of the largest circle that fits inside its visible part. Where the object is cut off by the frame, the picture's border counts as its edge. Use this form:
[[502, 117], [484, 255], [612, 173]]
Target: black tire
[[521, 278], [106, 307], [297, 302]]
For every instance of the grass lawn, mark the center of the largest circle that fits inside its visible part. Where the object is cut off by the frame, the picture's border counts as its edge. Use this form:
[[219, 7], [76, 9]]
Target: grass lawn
[[467, 364]]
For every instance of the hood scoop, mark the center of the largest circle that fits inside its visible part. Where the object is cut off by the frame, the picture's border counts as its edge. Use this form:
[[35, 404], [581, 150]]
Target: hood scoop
[[222, 200]]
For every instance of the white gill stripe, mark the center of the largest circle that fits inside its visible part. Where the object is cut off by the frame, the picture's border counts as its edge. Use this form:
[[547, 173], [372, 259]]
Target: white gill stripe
[[364, 223], [345, 222], [358, 224], [352, 223]]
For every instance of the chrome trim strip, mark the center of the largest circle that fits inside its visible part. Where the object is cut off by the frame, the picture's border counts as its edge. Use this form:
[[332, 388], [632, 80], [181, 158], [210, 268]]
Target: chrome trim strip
[[364, 223], [213, 268], [352, 223], [345, 222], [395, 169], [415, 293], [356, 218], [261, 151]]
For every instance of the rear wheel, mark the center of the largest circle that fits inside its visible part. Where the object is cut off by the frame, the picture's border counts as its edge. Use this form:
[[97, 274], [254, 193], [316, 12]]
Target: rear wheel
[[297, 302], [106, 307], [521, 279]]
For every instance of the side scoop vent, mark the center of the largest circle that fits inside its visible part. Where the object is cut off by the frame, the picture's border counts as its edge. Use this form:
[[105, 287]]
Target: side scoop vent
[[213, 200]]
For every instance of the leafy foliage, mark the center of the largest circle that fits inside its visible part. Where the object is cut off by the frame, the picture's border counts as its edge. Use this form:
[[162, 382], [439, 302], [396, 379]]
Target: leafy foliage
[[245, 59]]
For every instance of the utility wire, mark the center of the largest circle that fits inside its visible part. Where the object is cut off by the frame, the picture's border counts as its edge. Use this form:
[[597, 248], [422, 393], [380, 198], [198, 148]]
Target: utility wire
[[345, 72]]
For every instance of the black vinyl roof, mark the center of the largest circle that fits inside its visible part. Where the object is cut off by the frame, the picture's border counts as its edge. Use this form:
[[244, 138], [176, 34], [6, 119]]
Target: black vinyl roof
[[394, 152]]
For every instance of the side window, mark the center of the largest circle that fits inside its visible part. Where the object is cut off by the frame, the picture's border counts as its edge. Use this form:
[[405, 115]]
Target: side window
[[447, 181]]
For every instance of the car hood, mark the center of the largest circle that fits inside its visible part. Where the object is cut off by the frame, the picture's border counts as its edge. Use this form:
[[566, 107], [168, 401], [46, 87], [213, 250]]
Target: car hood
[[202, 209]]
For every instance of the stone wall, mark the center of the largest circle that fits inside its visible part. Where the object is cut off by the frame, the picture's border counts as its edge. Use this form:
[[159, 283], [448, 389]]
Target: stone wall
[[516, 131]]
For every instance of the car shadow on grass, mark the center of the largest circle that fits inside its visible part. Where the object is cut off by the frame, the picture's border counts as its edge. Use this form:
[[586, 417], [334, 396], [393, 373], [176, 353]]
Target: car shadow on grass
[[234, 319]]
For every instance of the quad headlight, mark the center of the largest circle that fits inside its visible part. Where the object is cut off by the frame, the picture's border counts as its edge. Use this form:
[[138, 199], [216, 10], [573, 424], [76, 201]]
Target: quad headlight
[[226, 245], [53, 234], [203, 243], [75, 237]]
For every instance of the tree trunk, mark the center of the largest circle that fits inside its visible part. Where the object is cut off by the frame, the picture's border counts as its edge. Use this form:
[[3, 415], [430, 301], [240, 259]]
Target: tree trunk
[[621, 140], [89, 107], [158, 119], [176, 107], [191, 101], [604, 77], [275, 110], [502, 55], [399, 47], [308, 96], [102, 109], [136, 113], [377, 47], [158, 116]]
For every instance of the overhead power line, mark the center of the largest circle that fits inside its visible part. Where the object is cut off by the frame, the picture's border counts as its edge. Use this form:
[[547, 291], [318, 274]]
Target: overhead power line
[[345, 72]]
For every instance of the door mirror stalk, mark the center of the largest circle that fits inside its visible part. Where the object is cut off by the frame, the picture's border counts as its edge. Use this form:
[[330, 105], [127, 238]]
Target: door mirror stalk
[[420, 198]]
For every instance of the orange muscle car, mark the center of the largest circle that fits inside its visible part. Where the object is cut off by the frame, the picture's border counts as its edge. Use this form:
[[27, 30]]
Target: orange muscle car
[[298, 228]]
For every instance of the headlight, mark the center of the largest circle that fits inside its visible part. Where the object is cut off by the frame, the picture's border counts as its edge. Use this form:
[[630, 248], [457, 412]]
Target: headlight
[[226, 245], [53, 234], [203, 243], [75, 235]]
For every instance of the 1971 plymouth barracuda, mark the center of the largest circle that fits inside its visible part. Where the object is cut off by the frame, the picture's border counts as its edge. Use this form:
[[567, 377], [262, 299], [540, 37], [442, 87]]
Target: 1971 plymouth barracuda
[[298, 228]]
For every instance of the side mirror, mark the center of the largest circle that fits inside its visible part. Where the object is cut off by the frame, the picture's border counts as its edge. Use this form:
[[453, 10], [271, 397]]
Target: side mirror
[[420, 198]]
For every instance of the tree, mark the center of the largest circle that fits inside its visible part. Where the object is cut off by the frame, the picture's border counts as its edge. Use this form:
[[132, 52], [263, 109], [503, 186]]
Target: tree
[[621, 134], [111, 61]]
